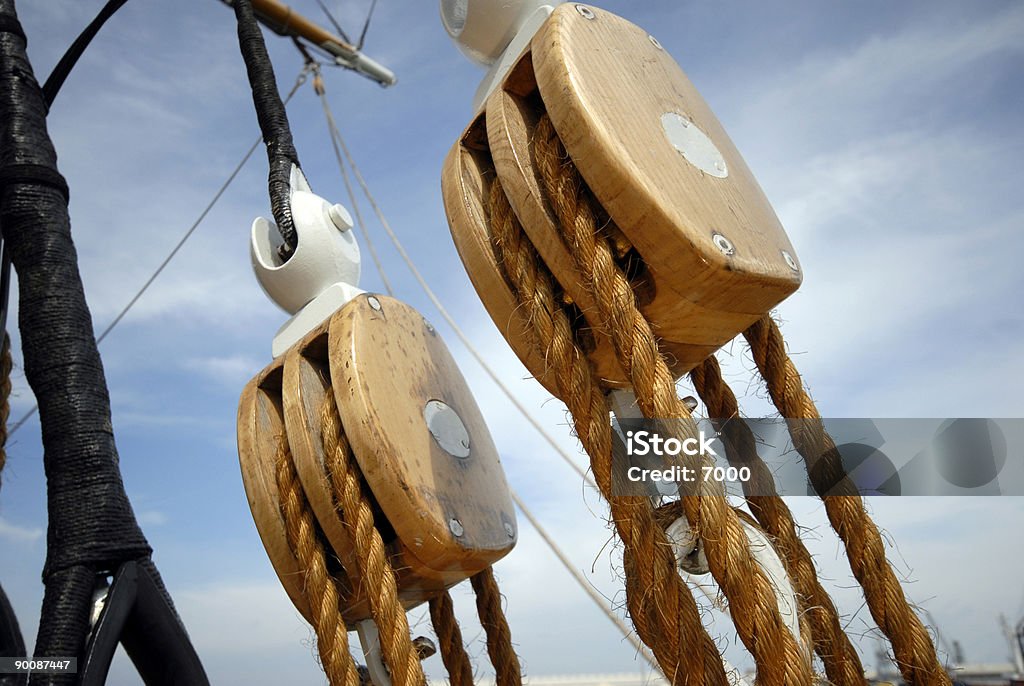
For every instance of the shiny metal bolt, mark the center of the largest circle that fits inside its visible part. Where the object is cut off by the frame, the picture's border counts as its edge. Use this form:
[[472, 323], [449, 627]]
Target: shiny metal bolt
[[424, 647], [340, 217], [723, 244], [654, 42], [790, 261], [509, 530], [586, 12], [456, 527], [374, 303]]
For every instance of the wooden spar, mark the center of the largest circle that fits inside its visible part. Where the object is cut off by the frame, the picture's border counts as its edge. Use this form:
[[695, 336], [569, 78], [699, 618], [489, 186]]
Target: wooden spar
[[285, 21]]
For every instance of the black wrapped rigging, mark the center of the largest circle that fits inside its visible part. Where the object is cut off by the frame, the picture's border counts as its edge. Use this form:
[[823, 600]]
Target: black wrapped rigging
[[273, 121], [92, 530]]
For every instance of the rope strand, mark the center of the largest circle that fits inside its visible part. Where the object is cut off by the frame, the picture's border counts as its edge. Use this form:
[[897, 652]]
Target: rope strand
[[449, 641], [499, 636], [661, 607], [755, 613], [320, 587], [832, 645], [375, 568], [912, 645]]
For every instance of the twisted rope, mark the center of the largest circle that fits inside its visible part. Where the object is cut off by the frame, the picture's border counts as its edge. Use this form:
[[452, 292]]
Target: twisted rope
[[755, 613], [449, 639], [662, 609], [911, 643], [832, 645], [320, 587], [375, 567], [499, 637]]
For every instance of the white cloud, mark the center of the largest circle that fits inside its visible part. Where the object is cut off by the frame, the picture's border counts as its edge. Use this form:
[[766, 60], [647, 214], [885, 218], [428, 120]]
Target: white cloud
[[233, 371], [19, 534], [151, 518]]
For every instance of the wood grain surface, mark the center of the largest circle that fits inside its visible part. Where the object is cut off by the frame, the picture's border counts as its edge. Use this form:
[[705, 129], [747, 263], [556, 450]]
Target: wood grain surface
[[386, 363], [606, 85]]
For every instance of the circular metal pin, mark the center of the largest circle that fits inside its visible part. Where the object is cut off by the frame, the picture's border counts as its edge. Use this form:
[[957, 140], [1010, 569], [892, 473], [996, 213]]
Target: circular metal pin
[[690, 402], [456, 527], [790, 261], [447, 428], [694, 145], [340, 217], [509, 530], [654, 42], [586, 12], [374, 303], [723, 244]]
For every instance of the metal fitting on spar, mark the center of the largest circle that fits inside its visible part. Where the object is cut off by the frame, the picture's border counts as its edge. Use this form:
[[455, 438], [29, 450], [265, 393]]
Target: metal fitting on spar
[[323, 272]]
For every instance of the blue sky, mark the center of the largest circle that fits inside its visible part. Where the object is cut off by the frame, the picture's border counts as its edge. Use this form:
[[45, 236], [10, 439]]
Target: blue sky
[[887, 136]]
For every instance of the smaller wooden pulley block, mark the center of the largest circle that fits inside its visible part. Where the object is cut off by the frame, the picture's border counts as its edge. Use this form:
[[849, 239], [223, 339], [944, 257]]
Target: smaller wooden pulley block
[[416, 439], [692, 229]]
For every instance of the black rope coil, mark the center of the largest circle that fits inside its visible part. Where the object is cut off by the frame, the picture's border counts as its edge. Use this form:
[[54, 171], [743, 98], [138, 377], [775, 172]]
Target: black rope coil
[[272, 118]]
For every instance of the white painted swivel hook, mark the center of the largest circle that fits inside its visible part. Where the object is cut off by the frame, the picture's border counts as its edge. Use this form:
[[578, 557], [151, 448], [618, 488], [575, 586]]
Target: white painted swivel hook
[[493, 33], [322, 273]]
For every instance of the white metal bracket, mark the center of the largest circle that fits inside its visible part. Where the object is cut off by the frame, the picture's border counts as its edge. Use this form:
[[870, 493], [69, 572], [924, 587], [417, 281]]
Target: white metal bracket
[[322, 273]]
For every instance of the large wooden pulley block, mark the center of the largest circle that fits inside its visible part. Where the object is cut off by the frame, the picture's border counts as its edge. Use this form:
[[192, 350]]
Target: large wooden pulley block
[[420, 446], [699, 240]]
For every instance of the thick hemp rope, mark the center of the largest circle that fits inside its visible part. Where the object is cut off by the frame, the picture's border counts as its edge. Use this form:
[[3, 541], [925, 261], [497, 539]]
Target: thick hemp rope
[[755, 613], [449, 641], [499, 637], [661, 607], [832, 645], [382, 589], [912, 645], [378, 576], [320, 587]]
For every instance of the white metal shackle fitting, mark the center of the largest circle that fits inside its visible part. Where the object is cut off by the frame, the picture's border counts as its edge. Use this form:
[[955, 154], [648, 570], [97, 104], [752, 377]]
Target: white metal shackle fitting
[[493, 33], [322, 272], [484, 28]]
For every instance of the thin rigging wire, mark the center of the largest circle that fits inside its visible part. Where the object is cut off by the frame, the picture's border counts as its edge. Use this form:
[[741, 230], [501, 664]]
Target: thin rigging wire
[[318, 81], [584, 583], [301, 79], [580, 579], [444, 311]]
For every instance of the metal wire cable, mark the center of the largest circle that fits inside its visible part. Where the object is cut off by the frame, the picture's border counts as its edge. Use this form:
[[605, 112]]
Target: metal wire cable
[[301, 79], [584, 584], [318, 84]]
